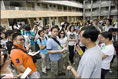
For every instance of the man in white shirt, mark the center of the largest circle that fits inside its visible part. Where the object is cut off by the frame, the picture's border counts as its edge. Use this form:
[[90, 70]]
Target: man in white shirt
[[107, 52], [90, 63]]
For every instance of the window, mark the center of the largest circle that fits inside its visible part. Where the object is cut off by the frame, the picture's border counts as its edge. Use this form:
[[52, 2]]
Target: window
[[50, 5], [59, 7], [44, 5], [38, 4], [54, 6], [65, 8], [39, 18]]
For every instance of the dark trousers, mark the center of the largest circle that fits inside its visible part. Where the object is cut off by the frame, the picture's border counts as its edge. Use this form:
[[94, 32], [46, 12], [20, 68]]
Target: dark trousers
[[103, 73], [71, 53]]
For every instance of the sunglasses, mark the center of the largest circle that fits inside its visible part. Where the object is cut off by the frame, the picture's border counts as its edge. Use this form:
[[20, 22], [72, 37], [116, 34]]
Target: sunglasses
[[61, 33]]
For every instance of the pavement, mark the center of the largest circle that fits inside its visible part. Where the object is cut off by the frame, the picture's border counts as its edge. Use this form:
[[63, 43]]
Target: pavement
[[69, 75]]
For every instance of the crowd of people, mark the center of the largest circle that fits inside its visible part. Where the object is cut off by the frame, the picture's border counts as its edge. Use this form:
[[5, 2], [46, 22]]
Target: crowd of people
[[97, 40]]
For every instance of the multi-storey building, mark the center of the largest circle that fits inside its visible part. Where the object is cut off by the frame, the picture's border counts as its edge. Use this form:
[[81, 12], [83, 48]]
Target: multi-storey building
[[100, 9], [54, 12], [44, 11]]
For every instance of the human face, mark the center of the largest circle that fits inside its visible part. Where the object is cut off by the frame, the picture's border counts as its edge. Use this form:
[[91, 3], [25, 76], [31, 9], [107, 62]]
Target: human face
[[72, 29], [102, 39], [46, 30], [3, 35], [42, 34], [19, 40], [82, 39], [107, 22], [62, 34], [54, 32]]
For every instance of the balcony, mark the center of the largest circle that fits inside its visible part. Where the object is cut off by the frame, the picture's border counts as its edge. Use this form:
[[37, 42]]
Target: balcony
[[18, 8], [104, 13], [65, 3], [95, 13], [105, 3], [114, 12], [96, 4], [88, 6], [87, 13]]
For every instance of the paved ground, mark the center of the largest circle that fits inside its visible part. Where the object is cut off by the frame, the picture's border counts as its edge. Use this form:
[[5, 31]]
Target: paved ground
[[113, 75], [114, 68]]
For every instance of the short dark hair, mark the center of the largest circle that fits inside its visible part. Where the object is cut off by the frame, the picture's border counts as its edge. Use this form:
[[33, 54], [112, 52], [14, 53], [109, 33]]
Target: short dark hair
[[113, 30], [27, 27], [9, 32], [62, 30], [71, 27], [107, 35], [1, 29], [56, 26], [15, 35], [45, 27], [17, 31], [90, 32], [40, 32]]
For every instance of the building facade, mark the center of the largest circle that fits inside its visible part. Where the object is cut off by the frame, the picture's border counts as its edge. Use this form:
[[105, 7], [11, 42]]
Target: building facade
[[98, 9], [54, 12], [45, 12]]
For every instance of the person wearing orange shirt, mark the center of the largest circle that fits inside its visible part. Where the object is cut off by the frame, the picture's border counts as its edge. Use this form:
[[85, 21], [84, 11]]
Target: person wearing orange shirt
[[20, 59]]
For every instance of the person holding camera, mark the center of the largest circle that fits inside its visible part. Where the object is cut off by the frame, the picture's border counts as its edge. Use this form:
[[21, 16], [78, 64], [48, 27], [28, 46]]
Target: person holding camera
[[29, 36], [20, 58]]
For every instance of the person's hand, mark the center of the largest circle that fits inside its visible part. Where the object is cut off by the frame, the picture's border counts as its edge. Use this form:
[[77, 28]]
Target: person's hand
[[29, 44], [61, 51], [19, 75], [69, 67], [31, 37]]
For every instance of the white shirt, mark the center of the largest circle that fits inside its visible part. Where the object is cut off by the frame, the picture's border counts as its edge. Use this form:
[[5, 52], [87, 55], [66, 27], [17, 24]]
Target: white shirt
[[107, 50], [106, 28], [72, 36], [27, 40], [17, 27], [63, 41], [90, 63], [3, 42], [116, 25]]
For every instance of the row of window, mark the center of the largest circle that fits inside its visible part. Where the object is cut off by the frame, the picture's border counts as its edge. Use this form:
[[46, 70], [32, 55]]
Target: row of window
[[41, 6]]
